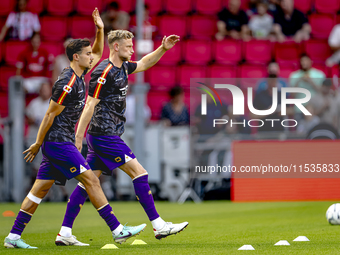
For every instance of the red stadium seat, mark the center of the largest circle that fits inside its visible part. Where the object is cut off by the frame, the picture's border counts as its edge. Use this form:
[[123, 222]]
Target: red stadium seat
[[35, 6], [202, 27], [60, 7], [156, 101], [169, 25], [6, 6], [318, 50], [161, 77], [287, 69], [171, 57], [82, 27], [3, 104], [86, 7], [227, 72], [186, 72], [250, 75], [53, 28], [321, 24], [5, 73], [329, 6], [53, 48], [155, 6], [124, 5], [288, 52], [227, 51], [12, 51], [197, 52], [303, 5], [178, 7], [258, 51], [211, 7]]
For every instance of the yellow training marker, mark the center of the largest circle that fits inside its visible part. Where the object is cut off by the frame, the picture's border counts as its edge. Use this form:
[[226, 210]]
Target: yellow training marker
[[109, 246], [138, 242]]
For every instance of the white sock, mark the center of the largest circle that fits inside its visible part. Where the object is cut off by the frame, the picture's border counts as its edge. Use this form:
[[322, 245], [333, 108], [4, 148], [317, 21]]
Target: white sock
[[158, 223], [65, 231], [13, 236], [118, 230]]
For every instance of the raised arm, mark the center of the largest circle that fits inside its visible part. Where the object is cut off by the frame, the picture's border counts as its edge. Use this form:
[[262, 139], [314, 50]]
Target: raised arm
[[85, 120], [53, 110], [152, 58], [98, 45]]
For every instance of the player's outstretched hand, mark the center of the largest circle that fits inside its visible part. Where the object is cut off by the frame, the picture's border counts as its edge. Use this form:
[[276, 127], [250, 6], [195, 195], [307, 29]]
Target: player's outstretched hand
[[97, 19], [32, 151], [79, 144], [170, 41]]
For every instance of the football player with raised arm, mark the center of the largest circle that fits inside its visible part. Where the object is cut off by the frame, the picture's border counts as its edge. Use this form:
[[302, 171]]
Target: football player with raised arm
[[105, 108], [61, 159]]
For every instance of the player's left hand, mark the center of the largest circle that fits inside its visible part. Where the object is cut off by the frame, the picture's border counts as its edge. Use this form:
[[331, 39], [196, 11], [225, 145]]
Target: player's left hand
[[32, 151], [97, 19], [170, 41]]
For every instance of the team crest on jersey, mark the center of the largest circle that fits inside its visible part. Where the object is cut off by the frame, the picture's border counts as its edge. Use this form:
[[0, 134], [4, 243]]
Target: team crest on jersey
[[124, 90], [67, 89], [101, 80]]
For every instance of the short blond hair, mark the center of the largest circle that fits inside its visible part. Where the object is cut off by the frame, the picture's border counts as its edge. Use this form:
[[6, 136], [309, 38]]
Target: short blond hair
[[115, 35]]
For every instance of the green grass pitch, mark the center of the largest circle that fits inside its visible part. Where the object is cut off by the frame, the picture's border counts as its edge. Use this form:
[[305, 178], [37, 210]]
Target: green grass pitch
[[214, 228]]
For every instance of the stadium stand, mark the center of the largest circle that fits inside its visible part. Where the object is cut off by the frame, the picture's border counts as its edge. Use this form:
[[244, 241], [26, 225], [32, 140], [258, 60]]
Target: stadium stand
[[227, 52], [169, 25], [321, 24], [197, 52], [185, 72], [59, 31], [82, 27], [210, 7], [59, 7], [178, 7], [12, 50], [329, 6], [257, 51], [86, 7], [35, 6], [202, 27]]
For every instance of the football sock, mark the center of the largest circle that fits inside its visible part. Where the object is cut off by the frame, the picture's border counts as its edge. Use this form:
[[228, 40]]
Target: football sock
[[76, 201], [144, 196], [107, 214], [20, 223], [158, 223]]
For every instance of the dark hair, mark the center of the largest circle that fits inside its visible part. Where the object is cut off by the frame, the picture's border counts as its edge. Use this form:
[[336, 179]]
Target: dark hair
[[304, 55], [16, 8], [175, 91], [76, 46], [113, 5]]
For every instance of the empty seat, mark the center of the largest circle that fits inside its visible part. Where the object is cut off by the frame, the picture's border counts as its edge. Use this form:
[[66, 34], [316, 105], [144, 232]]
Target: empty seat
[[187, 72], [161, 77], [171, 57], [82, 27], [211, 7], [303, 5], [227, 51], [59, 7], [197, 52], [12, 51], [287, 69], [169, 25], [3, 104], [86, 7], [288, 52], [258, 51], [155, 6], [318, 50], [202, 27], [156, 100], [35, 6], [6, 6], [5, 73], [53, 28], [178, 7], [321, 24], [222, 73], [329, 6], [251, 74]]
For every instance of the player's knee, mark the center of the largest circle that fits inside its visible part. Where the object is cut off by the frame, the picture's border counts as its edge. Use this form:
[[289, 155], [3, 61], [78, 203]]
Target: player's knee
[[90, 180]]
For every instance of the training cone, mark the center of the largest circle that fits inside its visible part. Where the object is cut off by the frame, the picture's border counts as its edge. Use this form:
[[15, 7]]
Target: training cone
[[109, 246], [138, 242], [301, 239], [282, 242], [8, 214], [246, 247]]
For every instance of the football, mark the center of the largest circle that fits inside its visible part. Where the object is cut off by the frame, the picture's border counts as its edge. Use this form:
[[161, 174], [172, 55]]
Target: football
[[333, 214]]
